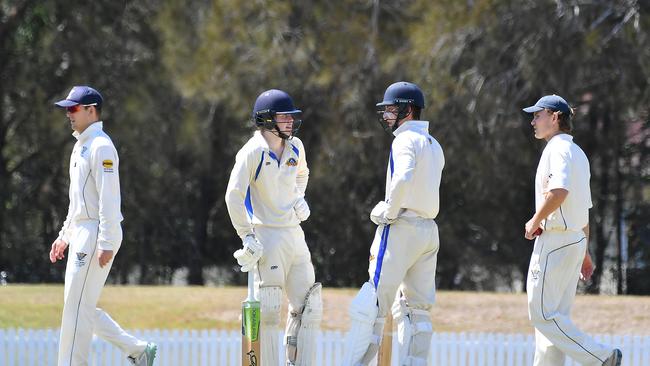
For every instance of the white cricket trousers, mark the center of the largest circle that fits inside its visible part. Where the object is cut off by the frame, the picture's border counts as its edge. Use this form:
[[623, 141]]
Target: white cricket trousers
[[84, 281], [286, 262], [403, 256], [551, 286]]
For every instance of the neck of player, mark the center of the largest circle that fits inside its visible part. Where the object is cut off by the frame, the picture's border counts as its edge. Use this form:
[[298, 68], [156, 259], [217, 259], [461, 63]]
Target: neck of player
[[276, 143]]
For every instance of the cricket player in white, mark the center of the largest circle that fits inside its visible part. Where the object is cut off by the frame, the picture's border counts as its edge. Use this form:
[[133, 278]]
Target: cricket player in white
[[404, 252], [93, 233], [560, 256], [266, 203]]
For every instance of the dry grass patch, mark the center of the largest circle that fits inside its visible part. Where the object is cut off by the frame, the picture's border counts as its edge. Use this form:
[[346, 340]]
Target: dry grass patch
[[146, 307]]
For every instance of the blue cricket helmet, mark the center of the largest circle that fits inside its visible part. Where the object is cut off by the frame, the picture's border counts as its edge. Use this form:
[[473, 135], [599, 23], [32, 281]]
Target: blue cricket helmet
[[403, 92], [276, 101], [270, 103]]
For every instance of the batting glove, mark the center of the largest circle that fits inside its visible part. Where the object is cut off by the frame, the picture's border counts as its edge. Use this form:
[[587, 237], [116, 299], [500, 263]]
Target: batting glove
[[251, 252], [302, 209], [378, 214]]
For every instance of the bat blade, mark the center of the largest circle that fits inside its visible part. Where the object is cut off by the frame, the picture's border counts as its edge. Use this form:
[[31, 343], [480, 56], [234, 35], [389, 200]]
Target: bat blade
[[386, 346], [250, 328]]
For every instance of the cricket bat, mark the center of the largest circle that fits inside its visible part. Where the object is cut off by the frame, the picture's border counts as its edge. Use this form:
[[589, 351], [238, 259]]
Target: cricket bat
[[386, 346], [250, 326]]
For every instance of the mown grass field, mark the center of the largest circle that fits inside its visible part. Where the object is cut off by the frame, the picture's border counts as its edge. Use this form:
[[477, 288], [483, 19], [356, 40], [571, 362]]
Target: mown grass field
[[143, 307]]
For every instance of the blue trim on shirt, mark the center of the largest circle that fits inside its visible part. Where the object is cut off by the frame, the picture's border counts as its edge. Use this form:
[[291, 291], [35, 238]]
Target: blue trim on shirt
[[259, 166], [271, 154], [391, 163], [248, 203], [295, 149], [380, 256]]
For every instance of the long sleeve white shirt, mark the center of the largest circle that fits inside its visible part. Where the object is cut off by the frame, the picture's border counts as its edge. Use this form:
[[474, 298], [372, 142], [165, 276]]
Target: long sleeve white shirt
[[414, 172], [564, 165], [95, 187], [263, 188]]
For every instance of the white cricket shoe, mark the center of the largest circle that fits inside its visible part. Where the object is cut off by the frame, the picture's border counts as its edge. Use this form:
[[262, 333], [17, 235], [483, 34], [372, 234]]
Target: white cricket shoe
[[614, 359], [147, 357]]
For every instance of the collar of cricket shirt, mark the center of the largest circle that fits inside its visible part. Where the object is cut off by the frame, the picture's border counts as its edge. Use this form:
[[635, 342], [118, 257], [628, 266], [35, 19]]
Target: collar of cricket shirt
[[412, 125], [265, 145], [561, 136], [90, 130]]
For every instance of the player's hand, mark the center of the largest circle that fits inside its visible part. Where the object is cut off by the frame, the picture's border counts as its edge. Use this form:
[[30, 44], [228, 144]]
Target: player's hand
[[302, 209], [587, 268], [531, 229], [104, 256], [378, 214], [249, 254], [58, 250]]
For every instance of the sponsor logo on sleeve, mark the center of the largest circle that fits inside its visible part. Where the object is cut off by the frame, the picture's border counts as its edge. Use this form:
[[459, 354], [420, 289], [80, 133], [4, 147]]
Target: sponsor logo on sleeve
[[108, 165]]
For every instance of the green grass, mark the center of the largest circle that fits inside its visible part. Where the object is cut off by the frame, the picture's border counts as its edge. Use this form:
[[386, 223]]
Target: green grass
[[164, 307]]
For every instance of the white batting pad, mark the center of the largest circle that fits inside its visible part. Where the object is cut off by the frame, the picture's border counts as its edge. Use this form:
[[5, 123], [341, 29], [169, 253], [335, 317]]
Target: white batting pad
[[401, 315], [363, 313], [312, 315], [270, 304], [421, 332]]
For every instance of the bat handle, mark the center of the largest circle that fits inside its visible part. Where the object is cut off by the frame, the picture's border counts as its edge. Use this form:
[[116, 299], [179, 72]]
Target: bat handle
[[251, 284]]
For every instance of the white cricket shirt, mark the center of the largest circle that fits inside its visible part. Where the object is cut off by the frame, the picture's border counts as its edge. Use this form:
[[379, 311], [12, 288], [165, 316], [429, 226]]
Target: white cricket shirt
[[414, 172], [263, 188], [564, 165], [95, 187]]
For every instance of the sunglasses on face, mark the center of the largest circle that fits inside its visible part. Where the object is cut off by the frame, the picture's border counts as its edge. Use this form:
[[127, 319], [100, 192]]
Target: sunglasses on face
[[76, 108]]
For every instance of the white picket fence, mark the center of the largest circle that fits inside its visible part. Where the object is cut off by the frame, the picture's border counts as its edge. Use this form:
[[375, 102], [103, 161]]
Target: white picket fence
[[221, 348]]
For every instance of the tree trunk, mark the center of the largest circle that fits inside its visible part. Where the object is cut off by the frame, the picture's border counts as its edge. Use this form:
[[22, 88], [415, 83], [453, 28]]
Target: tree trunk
[[618, 216], [600, 215]]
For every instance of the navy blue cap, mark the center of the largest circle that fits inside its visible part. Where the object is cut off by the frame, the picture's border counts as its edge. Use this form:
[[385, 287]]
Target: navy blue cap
[[403, 92], [552, 102], [84, 95]]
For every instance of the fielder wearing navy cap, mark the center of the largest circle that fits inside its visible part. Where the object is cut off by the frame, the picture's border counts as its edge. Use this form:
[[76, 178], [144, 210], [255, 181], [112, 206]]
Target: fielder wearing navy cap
[[83, 95], [552, 102]]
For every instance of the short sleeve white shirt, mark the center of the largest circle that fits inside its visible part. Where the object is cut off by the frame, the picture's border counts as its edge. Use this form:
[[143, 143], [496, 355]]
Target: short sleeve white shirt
[[564, 165]]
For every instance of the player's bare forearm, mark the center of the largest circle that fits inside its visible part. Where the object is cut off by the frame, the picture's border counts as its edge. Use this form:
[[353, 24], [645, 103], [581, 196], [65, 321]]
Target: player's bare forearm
[[552, 202]]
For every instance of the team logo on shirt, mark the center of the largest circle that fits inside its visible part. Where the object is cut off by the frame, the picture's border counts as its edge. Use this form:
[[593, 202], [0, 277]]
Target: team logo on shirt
[[292, 162], [108, 165], [81, 259], [83, 150]]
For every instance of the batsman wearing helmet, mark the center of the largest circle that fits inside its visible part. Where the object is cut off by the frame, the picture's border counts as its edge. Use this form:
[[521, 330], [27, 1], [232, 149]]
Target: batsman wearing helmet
[[404, 252], [266, 203]]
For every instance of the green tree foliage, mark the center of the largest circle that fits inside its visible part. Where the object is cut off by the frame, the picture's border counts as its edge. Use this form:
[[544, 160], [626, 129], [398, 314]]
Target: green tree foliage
[[180, 78]]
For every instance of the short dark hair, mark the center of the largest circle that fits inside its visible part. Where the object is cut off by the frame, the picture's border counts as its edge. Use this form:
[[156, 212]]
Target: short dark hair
[[416, 111], [98, 109], [565, 123], [564, 119]]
